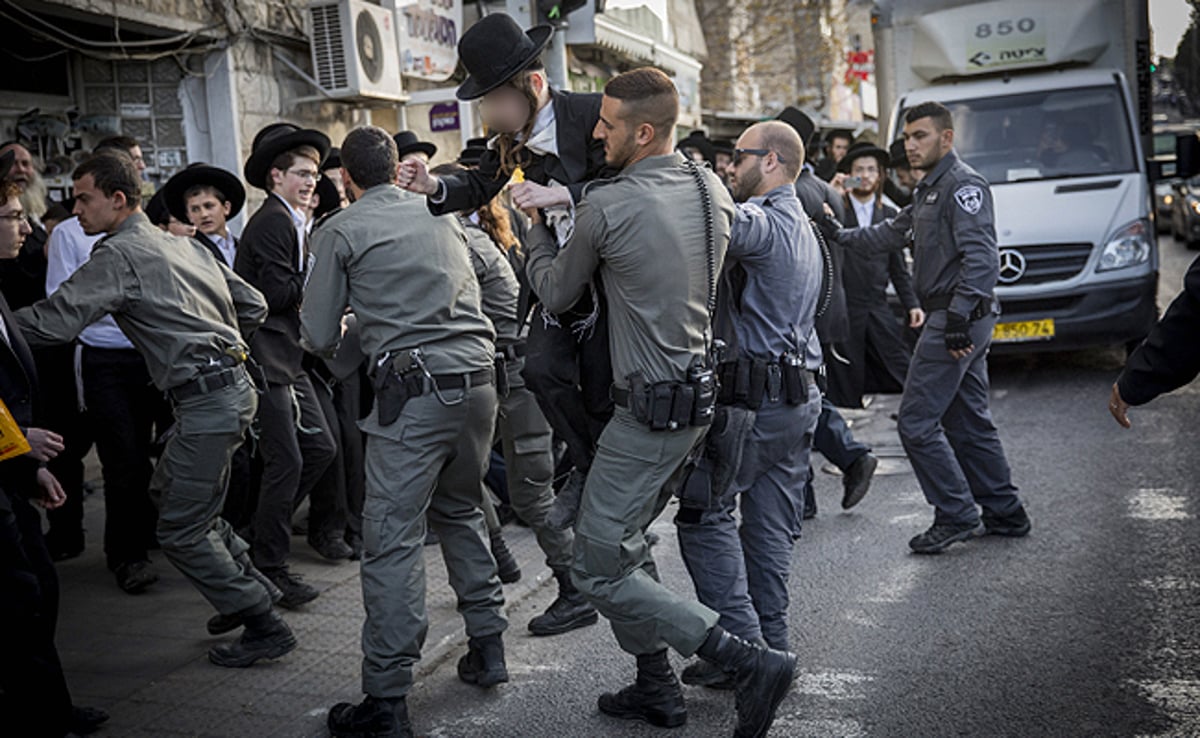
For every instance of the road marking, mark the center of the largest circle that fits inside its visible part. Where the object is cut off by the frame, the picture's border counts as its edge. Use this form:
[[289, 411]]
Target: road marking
[[1157, 503], [786, 724], [898, 584], [1170, 584], [1179, 698], [833, 685]]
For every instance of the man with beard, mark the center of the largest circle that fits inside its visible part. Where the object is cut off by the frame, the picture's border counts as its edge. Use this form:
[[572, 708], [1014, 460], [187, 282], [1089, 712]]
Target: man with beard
[[945, 423], [657, 233], [878, 359], [769, 292]]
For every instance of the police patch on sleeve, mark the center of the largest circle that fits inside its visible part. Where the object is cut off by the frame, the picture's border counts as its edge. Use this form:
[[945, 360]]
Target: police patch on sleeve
[[970, 198]]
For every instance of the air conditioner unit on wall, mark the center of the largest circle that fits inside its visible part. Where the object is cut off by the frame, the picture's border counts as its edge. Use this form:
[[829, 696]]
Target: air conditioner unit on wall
[[354, 49]]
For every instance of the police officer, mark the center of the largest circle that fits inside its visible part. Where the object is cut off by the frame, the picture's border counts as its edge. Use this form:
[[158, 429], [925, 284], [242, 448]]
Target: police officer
[[658, 234], [417, 302], [525, 436], [182, 309], [945, 423], [770, 289]]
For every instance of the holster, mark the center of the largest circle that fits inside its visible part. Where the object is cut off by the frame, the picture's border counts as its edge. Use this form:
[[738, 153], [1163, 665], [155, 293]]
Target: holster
[[393, 391], [502, 385], [662, 405]]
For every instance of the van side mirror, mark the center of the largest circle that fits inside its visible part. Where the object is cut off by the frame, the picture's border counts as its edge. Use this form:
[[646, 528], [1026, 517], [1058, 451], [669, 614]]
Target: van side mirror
[[1187, 155]]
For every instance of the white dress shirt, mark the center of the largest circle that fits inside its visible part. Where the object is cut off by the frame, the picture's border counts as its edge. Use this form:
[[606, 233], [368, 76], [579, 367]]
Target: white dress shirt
[[864, 211], [69, 247]]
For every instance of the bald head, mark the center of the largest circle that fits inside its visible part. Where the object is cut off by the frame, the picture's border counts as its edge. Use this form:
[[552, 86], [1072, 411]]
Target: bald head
[[784, 141]]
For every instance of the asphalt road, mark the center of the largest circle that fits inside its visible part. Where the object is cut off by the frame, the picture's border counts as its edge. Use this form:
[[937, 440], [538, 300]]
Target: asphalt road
[[1086, 627]]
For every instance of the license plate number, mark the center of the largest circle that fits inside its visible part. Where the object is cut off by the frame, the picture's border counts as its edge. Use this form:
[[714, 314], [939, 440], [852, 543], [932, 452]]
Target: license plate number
[[1027, 330]]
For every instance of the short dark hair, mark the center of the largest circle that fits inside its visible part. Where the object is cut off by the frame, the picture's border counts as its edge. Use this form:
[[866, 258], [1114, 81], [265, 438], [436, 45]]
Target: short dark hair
[[648, 96], [117, 143], [935, 111], [370, 157], [113, 172], [204, 189]]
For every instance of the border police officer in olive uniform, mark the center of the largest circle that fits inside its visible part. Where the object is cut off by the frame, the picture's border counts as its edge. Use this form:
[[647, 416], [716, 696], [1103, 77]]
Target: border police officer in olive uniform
[[944, 422], [182, 309], [658, 234], [408, 277]]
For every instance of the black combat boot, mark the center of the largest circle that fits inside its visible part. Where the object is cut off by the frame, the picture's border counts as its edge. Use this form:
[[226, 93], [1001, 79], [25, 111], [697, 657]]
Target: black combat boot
[[507, 567], [371, 718], [568, 611], [655, 696], [220, 624], [762, 677], [483, 663], [266, 637]]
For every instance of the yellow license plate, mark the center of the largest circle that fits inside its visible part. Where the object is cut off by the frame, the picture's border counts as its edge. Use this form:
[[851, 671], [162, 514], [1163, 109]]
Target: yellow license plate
[[1028, 330]]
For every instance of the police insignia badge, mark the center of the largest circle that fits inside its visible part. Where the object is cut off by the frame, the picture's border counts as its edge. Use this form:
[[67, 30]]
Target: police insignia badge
[[970, 198]]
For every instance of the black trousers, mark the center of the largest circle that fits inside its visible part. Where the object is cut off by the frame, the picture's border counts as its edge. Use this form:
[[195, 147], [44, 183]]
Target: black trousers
[[335, 505], [61, 414], [36, 701], [836, 443], [571, 377], [296, 447], [123, 405]]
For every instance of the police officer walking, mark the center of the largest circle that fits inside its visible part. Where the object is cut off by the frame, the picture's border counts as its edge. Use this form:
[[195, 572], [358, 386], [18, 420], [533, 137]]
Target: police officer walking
[[658, 234], [767, 304], [945, 423], [182, 309], [431, 348]]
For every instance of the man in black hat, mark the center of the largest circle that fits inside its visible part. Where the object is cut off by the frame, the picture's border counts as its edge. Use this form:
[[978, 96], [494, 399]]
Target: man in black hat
[[878, 359], [722, 158], [837, 143], [473, 152], [411, 147], [207, 198], [547, 135], [698, 148], [295, 441], [833, 437], [899, 186]]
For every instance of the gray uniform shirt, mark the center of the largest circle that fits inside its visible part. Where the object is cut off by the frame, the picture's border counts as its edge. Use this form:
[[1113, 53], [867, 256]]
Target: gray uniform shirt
[[953, 229], [181, 308], [498, 282], [644, 230], [771, 282], [408, 277]]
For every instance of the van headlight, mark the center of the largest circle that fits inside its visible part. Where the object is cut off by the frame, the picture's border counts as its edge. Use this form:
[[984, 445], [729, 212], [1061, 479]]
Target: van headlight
[[1129, 246]]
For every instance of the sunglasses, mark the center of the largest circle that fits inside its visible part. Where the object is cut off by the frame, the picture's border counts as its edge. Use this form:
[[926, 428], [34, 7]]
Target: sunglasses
[[739, 153]]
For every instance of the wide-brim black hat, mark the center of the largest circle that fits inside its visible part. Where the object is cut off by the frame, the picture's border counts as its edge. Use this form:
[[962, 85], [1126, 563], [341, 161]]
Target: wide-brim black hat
[[274, 140], [897, 156], [697, 140], [6, 162], [224, 182], [473, 152], [156, 210], [723, 146], [798, 119], [407, 143], [860, 150], [333, 160], [329, 199], [494, 50]]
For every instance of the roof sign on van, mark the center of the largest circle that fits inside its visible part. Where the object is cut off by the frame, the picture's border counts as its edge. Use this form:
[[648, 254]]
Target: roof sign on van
[[1007, 42]]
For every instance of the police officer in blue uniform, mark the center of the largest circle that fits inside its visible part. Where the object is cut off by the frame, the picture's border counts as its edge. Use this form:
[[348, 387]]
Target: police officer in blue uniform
[[945, 423]]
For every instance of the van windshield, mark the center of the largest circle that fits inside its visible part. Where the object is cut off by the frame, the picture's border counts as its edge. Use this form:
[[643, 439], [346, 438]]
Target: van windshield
[[1045, 135]]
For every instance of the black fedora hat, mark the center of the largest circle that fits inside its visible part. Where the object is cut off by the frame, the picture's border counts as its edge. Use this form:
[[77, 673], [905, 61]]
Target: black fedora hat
[[473, 152], [199, 173], [274, 140], [156, 210], [722, 146], [898, 157], [860, 150], [698, 141], [798, 119], [407, 143], [6, 162], [494, 50], [333, 160], [328, 198]]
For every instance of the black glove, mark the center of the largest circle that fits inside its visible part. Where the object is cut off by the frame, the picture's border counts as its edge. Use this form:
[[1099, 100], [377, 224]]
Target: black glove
[[958, 333]]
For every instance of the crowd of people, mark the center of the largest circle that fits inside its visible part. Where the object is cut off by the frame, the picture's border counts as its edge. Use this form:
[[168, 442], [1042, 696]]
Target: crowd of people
[[568, 325]]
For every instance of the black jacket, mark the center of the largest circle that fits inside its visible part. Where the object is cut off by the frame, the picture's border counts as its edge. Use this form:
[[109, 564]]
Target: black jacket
[[19, 390], [580, 159], [1170, 356], [866, 277], [833, 326], [268, 258], [212, 247]]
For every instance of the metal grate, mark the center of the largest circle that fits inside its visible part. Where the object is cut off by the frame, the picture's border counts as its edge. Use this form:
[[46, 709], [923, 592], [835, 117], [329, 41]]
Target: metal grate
[[329, 53], [1055, 262]]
